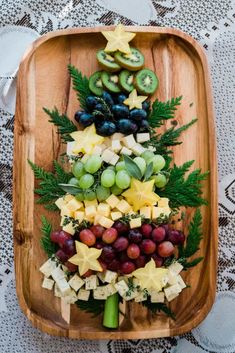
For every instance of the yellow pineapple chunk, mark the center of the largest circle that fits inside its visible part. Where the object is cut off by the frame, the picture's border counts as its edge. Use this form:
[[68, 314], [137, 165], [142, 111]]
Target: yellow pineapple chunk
[[79, 215], [116, 215], [66, 212], [103, 209], [105, 222], [123, 206], [90, 211], [112, 201], [97, 218], [135, 222], [91, 203], [146, 211]]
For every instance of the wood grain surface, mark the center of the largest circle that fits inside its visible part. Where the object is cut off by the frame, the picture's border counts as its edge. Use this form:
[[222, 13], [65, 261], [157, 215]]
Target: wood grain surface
[[43, 81]]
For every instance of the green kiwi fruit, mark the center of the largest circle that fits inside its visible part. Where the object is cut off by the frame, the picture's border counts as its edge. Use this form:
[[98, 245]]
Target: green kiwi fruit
[[110, 81], [126, 79], [146, 82], [95, 83], [107, 61], [133, 61]]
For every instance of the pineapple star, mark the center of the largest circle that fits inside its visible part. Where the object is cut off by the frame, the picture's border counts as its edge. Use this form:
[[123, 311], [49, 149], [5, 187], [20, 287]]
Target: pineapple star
[[118, 40], [86, 140], [150, 277], [135, 101], [86, 258], [141, 194]]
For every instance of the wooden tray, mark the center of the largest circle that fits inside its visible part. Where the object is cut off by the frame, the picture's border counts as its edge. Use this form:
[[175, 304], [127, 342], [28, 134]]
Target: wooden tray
[[43, 81]]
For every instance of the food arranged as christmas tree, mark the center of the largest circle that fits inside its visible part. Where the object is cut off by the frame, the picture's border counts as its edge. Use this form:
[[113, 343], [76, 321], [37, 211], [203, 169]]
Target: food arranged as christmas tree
[[122, 200]]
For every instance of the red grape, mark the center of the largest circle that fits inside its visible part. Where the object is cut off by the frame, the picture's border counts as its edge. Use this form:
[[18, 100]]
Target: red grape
[[176, 237], [146, 230], [121, 227], [55, 236], [133, 251], [122, 256], [69, 247], [108, 254], [109, 235], [121, 244], [140, 261], [103, 264], [60, 254], [165, 249], [158, 260], [87, 237], [99, 245], [127, 267], [97, 230], [135, 236], [63, 236], [71, 267], [166, 227], [88, 273], [114, 265], [158, 234], [148, 246]]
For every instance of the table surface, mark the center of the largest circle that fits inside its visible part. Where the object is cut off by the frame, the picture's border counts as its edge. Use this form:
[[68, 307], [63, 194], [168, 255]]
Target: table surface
[[210, 22]]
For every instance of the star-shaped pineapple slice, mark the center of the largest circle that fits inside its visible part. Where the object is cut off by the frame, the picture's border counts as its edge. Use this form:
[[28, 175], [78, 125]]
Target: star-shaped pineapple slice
[[86, 139], [135, 101], [141, 194], [118, 40], [86, 258], [151, 277]]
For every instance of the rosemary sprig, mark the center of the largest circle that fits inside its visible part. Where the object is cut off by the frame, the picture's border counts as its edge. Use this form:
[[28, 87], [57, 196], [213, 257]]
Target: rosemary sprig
[[93, 306], [48, 246], [80, 85], [162, 111]]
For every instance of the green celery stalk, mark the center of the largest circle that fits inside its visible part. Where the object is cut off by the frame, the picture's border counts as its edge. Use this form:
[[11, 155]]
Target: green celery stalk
[[111, 311]]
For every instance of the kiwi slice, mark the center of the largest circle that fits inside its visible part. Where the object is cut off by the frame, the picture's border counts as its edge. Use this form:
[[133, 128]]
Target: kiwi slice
[[146, 82], [95, 83], [133, 61], [110, 81], [107, 61], [126, 79]]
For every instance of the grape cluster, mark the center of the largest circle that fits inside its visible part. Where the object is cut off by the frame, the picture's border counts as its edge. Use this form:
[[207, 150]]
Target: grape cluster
[[110, 115]]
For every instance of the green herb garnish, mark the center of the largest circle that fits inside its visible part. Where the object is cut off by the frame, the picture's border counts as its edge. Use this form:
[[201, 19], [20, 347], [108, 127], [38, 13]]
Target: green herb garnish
[[48, 246]]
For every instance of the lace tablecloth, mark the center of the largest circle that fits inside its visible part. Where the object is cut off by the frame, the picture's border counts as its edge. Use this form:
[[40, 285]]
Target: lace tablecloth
[[210, 22]]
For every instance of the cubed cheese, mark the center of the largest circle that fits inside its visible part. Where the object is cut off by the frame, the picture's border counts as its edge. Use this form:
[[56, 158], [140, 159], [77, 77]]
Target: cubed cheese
[[69, 228], [70, 147], [76, 282], [116, 145], [68, 197], [48, 267], [48, 283], [112, 201], [110, 276], [79, 215], [107, 155], [129, 141], [57, 274], [157, 212], [163, 202], [90, 211], [91, 282], [146, 212], [172, 292], [121, 287], [131, 212], [143, 137], [138, 149], [166, 210], [63, 286], [97, 150], [180, 282], [130, 294], [97, 219], [71, 297], [175, 268], [83, 294], [115, 215], [117, 136], [105, 222], [60, 202], [126, 151], [172, 278], [157, 297], [91, 203], [110, 288], [114, 159], [135, 222], [141, 297], [103, 209], [123, 206], [74, 205], [100, 293], [57, 292], [101, 275], [107, 141], [65, 211]]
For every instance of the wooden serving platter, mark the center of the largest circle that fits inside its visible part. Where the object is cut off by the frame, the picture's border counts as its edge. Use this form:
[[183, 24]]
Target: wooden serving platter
[[43, 81]]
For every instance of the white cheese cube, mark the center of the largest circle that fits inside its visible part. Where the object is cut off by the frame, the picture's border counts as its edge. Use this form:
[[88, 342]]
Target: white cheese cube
[[105, 222], [83, 294], [91, 203], [68, 197], [90, 211], [74, 205], [70, 147], [100, 293], [172, 292], [57, 292], [112, 201], [135, 222], [130, 294], [69, 228], [66, 212], [126, 151], [115, 215], [116, 145], [121, 287], [91, 282], [114, 159], [76, 282], [63, 286], [172, 278], [110, 276], [60, 202], [107, 155], [48, 267], [101, 275], [157, 297], [110, 288], [48, 283], [143, 137], [117, 136], [175, 268], [146, 211], [163, 202], [165, 279], [129, 141], [79, 215], [103, 209], [138, 149], [97, 219], [142, 296], [122, 278], [123, 206], [180, 282], [157, 212], [97, 150], [70, 298], [57, 274]]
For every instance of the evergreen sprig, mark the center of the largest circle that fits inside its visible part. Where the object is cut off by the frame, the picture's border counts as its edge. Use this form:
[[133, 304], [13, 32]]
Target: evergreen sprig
[[162, 111], [80, 85], [92, 306], [184, 190], [49, 189], [48, 246], [64, 124], [157, 307]]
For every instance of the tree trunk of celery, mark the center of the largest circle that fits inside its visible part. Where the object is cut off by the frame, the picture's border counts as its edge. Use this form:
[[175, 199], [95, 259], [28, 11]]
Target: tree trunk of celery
[[111, 311]]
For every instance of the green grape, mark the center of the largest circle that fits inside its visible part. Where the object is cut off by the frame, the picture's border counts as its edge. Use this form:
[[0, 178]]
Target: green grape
[[147, 155], [102, 193], [116, 190], [93, 164], [123, 179], [141, 164], [107, 178], [120, 166], [158, 162], [78, 169], [79, 196], [86, 181], [160, 180], [74, 181], [111, 167], [89, 195]]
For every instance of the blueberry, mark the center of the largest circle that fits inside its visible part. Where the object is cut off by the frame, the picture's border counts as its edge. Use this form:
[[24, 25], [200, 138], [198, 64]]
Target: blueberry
[[126, 126], [146, 105], [120, 111], [86, 119], [108, 98], [106, 128], [77, 116], [121, 98], [138, 114], [91, 101], [143, 125]]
